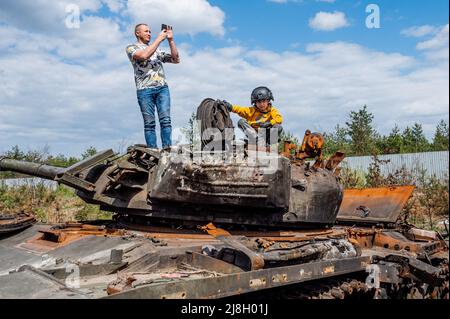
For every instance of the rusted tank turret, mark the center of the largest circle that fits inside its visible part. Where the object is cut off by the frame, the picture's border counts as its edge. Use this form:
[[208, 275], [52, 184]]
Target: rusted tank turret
[[170, 186]]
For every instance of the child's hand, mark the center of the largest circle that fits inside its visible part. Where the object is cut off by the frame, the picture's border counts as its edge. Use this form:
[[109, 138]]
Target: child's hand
[[265, 125], [227, 105]]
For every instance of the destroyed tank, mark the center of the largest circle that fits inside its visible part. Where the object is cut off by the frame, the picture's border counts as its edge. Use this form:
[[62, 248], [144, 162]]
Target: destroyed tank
[[219, 221], [205, 186]]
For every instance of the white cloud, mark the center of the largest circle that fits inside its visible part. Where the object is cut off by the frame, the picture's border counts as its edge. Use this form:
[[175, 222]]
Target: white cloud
[[439, 41], [298, 1], [47, 100], [115, 5], [98, 42], [75, 88], [436, 48], [42, 15], [186, 16], [419, 31], [284, 1], [325, 21]]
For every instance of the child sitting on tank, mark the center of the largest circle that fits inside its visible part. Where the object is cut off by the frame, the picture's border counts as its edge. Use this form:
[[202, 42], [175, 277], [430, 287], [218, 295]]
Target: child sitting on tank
[[261, 122]]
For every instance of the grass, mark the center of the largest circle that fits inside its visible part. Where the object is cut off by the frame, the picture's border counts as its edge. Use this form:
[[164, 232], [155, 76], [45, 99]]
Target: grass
[[48, 205]]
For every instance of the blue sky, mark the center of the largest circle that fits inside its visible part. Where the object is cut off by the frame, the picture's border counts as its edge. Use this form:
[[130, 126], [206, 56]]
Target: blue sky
[[73, 88], [276, 26]]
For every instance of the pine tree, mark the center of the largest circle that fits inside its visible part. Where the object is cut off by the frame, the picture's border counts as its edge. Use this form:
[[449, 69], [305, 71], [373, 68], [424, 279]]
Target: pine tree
[[91, 151], [414, 140], [407, 141], [441, 137], [191, 133], [361, 132], [15, 153], [392, 144], [336, 141], [422, 144]]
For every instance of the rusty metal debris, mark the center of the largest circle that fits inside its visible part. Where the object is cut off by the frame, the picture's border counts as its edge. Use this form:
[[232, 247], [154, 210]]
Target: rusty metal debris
[[10, 223], [132, 266], [65, 233], [214, 231], [373, 205]]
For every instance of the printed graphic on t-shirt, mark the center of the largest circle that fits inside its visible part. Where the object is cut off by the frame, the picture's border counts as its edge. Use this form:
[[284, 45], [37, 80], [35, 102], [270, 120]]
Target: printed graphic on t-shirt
[[150, 72]]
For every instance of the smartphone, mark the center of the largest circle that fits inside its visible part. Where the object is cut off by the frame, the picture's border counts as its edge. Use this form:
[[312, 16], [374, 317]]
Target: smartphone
[[163, 27]]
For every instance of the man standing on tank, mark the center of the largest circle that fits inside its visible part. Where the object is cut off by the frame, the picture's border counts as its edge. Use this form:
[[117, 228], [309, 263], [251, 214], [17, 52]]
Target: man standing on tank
[[152, 89]]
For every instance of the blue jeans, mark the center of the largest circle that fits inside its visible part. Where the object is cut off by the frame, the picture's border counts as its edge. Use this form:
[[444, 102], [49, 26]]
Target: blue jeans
[[148, 99]]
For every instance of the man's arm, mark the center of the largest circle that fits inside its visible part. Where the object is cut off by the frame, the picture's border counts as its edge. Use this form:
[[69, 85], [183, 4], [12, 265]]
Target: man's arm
[[173, 47], [142, 55]]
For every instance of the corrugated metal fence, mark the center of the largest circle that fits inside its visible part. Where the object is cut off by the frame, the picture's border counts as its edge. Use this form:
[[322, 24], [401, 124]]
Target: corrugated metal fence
[[31, 181], [433, 163]]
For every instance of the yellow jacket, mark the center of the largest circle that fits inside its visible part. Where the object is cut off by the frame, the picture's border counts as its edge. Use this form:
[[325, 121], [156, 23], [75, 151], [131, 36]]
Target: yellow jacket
[[254, 117]]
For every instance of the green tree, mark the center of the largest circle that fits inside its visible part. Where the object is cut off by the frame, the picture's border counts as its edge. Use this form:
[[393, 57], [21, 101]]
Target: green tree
[[287, 136], [414, 140], [361, 132], [408, 140], [191, 133], [91, 151], [37, 156], [62, 161], [391, 144], [441, 137], [422, 144], [15, 153], [336, 141]]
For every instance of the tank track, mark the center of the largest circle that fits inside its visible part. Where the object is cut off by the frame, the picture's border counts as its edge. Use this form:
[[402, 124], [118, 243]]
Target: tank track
[[331, 288], [424, 291], [355, 288]]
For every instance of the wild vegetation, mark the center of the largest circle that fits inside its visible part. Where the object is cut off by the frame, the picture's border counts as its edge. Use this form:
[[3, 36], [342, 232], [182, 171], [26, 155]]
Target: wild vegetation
[[49, 203], [360, 138]]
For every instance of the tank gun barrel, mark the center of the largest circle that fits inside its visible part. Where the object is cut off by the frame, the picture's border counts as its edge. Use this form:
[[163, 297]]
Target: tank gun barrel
[[68, 176], [30, 168]]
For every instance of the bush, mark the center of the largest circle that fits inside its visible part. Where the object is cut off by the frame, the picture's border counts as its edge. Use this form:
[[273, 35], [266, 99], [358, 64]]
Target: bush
[[48, 205], [352, 178]]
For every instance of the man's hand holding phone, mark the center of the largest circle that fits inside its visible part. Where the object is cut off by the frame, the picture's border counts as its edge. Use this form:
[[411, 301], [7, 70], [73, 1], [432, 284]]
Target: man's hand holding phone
[[169, 31], [162, 36]]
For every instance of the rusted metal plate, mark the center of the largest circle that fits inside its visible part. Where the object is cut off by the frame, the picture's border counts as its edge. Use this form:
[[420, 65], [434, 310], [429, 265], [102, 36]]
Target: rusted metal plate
[[374, 205], [333, 162], [48, 239], [396, 241]]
